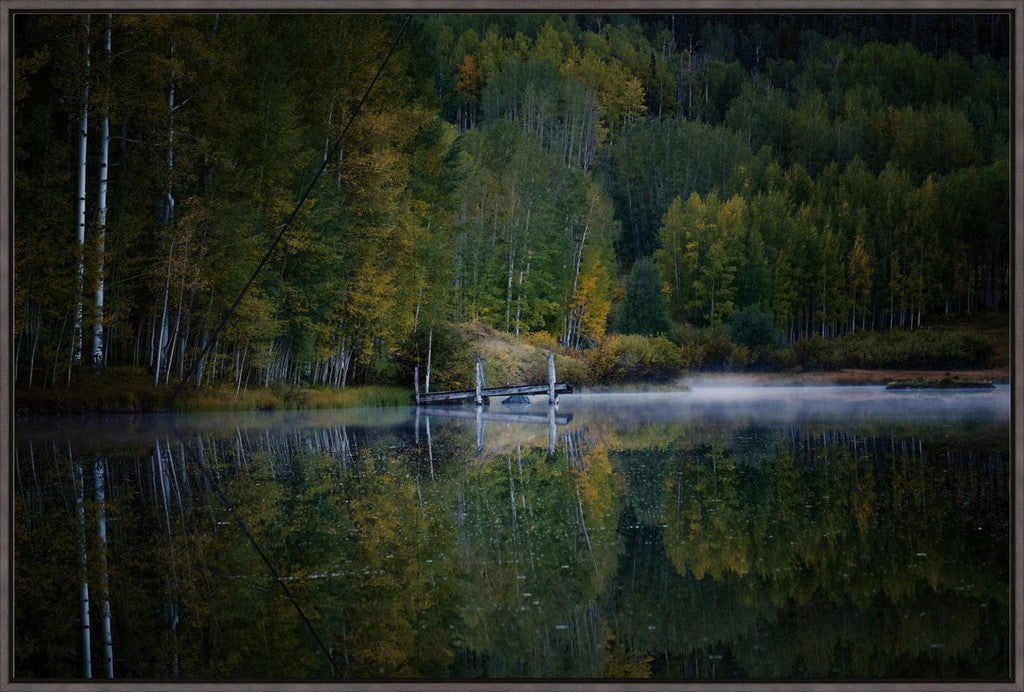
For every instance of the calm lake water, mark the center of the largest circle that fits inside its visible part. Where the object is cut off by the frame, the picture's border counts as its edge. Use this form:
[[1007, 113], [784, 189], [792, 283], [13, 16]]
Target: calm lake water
[[812, 532]]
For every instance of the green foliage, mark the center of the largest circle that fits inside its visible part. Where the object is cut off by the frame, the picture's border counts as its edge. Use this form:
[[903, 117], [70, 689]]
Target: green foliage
[[753, 328], [814, 353], [929, 349], [634, 358], [643, 309], [710, 348]]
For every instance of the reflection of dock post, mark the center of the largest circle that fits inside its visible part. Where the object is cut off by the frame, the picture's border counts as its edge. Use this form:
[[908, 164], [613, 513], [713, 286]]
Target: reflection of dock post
[[479, 429], [551, 430], [417, 426], [430, 449], [552, 397]]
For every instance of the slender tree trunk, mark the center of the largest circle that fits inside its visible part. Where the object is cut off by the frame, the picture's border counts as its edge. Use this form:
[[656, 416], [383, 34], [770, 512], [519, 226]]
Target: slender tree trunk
[[101, 211], [56, 357], [161, 345], [240, 365], [570, 322], [167, 217], [519, 301], [168, 211], [83, 142], [327, 137], [201, 367], [173, 340], [35, 346], [346, 359], [508, 287]]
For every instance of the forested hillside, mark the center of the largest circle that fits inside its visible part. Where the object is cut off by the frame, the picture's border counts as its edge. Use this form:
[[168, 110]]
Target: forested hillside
[[833, 173]]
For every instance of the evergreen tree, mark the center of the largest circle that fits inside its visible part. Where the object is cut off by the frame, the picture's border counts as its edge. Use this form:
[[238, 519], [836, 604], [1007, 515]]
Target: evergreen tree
[[643, 309]]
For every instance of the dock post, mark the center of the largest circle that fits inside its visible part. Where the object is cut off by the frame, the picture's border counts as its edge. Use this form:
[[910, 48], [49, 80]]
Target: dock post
[[416, 384], [552, 398], [479, 380], [430, 343]]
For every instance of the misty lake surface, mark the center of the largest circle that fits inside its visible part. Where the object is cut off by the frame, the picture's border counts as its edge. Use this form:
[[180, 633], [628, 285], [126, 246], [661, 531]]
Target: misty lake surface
[[722, 532]]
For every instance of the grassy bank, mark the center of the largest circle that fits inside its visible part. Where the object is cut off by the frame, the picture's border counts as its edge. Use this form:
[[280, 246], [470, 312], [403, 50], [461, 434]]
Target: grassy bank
[[976, 350], [970, 350], [224, 399], [132, 390], [844, 377]]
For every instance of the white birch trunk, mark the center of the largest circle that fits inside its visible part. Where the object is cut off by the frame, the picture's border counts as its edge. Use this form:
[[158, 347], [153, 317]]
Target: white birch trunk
[[346, 359], [101, 214], [161, 345], [241, 367], [169, 195], [570, 322], [173, 339], [83, 144], [165, 221], [511, 266]]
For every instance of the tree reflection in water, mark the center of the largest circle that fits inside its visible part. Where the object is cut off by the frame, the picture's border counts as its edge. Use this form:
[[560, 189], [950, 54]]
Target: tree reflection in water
[[680, 549]]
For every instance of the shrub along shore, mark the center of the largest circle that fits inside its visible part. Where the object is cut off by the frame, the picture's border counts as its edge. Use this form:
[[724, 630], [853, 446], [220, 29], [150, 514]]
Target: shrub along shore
[[928, 355]]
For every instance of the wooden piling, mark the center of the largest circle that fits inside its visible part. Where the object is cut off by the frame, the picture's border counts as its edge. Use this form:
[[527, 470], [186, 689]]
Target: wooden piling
[[479, 380], [430, 345], [552, 397], [416, 384]]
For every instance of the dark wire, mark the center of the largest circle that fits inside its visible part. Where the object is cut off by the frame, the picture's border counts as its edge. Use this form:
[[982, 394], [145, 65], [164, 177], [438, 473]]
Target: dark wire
[[212, 339], [263, 556]]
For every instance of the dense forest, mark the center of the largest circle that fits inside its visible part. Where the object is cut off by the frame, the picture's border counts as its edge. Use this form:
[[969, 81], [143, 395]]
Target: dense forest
[[535, 173]]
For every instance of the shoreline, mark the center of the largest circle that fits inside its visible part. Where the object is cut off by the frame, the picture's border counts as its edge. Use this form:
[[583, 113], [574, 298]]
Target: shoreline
[[845, 377], [50, 402]]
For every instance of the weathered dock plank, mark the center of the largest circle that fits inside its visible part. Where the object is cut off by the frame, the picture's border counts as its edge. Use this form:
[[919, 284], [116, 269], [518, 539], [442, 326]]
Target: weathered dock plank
[[482, 394], [471, 394]]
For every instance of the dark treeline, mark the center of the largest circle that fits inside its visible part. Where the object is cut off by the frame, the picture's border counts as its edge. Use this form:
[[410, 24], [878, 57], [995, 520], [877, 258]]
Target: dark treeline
[[837, 173]]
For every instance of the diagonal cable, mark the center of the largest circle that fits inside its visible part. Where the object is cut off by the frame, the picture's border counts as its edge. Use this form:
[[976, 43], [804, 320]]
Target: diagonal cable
[[215, 485], [212, 339]]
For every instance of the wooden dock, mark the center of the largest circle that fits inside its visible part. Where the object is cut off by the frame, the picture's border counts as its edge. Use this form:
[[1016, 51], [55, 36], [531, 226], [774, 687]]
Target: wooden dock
[[500, 417], [482, 393], [488, 392]]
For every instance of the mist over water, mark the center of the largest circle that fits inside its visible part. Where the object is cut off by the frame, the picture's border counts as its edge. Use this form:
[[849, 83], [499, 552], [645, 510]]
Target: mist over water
[[779, 403]]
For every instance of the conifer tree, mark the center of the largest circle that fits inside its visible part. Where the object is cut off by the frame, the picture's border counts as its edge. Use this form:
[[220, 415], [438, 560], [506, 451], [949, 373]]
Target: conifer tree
[[643, 310]]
